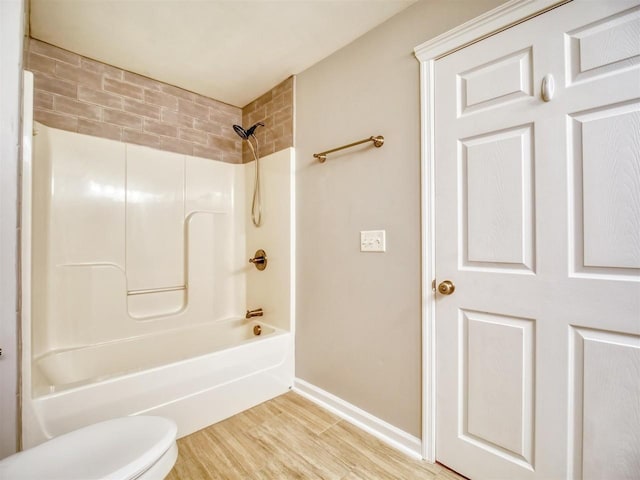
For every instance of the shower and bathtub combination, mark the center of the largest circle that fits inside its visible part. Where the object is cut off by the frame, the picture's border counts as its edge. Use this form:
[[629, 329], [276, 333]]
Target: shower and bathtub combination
[[136, 283]]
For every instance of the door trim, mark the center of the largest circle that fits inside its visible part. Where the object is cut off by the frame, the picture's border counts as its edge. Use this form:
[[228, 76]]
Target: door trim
[[490, 23]]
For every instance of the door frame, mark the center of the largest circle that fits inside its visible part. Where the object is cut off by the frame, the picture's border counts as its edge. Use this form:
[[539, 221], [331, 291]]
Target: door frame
[[494, 21]]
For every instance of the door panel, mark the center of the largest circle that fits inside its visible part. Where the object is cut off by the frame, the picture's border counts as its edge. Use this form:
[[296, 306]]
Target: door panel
[[497, 203], [537, 219], [504, 377], [606, 190]]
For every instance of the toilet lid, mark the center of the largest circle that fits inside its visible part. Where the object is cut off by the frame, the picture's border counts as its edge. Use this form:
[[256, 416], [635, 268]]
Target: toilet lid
[[121, 449]]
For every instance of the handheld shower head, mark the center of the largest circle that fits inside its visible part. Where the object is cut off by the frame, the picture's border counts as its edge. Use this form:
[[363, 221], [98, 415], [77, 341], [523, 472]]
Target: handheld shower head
[[256, 204], [245, 134], [242, 133]]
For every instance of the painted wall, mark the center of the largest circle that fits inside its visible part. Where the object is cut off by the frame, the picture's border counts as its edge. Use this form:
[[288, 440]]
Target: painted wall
[[358, 327], [11, 38]]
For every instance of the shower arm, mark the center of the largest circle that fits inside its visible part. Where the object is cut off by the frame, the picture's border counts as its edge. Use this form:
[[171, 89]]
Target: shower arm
[[377, 140]]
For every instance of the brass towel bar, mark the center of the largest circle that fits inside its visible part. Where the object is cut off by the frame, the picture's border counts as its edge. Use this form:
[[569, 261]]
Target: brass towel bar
[[378, 141]]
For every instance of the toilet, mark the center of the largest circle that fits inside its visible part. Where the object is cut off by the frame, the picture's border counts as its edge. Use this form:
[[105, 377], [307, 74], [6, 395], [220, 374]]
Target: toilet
[[140, 447]]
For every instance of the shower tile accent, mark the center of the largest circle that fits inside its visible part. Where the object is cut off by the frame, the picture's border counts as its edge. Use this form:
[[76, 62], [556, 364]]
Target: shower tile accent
[[82, 95], [275, 110]]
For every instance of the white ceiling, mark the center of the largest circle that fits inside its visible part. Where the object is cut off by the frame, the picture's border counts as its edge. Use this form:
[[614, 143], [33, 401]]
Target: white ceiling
[[230, 50]]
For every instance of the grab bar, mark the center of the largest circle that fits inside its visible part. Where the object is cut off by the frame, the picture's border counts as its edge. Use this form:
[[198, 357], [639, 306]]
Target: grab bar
[[157, 290], [377, 140]]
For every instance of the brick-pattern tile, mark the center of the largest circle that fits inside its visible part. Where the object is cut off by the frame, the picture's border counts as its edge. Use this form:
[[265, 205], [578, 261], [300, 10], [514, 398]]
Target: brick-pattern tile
[[98, 97], [275, 110], [123, 119], [99, 129], [76, 108], [159, 128], [86, 96], [43, 100]]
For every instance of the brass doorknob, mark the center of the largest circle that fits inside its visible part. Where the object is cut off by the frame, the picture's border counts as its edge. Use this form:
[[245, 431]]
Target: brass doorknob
[[446, 288]]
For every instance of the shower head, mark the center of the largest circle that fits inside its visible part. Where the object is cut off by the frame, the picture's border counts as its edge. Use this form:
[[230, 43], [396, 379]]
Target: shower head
[[242, 133], [245, 134], [252, 129]]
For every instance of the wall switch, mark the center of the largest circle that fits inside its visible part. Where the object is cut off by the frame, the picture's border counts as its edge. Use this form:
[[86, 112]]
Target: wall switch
[[373, 241]]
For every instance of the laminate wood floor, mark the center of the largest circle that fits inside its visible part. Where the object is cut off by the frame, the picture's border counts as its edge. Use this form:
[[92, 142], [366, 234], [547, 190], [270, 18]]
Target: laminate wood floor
[[290, 437]]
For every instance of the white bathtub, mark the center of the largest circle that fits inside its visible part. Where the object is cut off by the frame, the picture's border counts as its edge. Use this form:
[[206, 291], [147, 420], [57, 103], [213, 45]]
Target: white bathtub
[[196, 376]]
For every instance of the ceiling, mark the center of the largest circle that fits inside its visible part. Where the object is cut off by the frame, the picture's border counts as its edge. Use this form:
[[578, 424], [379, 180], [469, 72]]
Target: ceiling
[[230, 50]]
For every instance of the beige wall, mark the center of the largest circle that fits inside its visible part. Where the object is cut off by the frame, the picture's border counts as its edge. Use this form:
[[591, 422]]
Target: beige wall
[[358, 314], [12, 14]]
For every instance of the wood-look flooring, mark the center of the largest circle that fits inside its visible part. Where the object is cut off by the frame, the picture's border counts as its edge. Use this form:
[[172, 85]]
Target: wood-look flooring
[[290, 437]]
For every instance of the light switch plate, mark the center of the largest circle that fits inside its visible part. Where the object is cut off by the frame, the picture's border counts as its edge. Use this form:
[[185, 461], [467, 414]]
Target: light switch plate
[[373, 241]]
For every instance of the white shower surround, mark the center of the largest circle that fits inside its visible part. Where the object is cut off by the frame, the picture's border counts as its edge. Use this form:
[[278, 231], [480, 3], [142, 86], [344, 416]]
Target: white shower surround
[[194, 391]]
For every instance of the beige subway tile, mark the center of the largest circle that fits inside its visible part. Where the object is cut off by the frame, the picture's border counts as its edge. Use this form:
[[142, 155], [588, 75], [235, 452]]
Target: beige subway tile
[[140, 138], [248, 108], [98, 97], [229, 109], [43, 100], [255, 117], [283, 86], [160, 98], [276, 104], [159, 128], [209, 127], [193, 109], [140, 108], [207, 152], [78, 75], [263, 136], [175, 118], [264, 99], [225, 118], [223, 144], [194, 136], [99, 129], [123, 88], [267, 148], [55, 85], [47, 50], [232, 157], [287, 126], [283, 142], [283, 116], [76, 108], [55, 120], [102, 68], [40, 63], [141, 81], [177, 92], [124, 119], [247, 156], [176, 145]]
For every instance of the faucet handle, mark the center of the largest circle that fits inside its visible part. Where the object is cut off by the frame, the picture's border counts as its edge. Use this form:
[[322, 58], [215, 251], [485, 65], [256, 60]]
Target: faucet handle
[[259, 260], [254, 313]]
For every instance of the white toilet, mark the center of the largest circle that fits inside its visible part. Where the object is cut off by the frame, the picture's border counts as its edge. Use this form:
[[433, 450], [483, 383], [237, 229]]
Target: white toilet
[[141, 448]]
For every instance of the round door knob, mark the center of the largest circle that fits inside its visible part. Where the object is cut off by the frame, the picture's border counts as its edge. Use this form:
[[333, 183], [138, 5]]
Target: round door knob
[[446, 288]]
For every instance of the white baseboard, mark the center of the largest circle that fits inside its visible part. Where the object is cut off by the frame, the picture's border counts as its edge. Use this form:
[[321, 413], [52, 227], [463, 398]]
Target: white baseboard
[[380, 429]]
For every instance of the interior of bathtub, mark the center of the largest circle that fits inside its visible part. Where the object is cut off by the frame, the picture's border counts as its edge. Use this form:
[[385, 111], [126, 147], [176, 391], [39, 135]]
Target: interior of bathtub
[[137, 258]]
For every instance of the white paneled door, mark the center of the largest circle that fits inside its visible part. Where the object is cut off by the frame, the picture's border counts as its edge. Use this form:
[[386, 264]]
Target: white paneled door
[[537, 225]]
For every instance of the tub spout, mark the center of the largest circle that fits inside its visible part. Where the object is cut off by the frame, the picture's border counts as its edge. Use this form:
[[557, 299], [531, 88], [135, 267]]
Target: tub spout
[[254, 313]]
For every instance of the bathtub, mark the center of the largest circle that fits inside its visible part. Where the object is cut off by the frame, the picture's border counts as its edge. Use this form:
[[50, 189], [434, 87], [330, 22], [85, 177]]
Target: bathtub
[[196, 376]]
